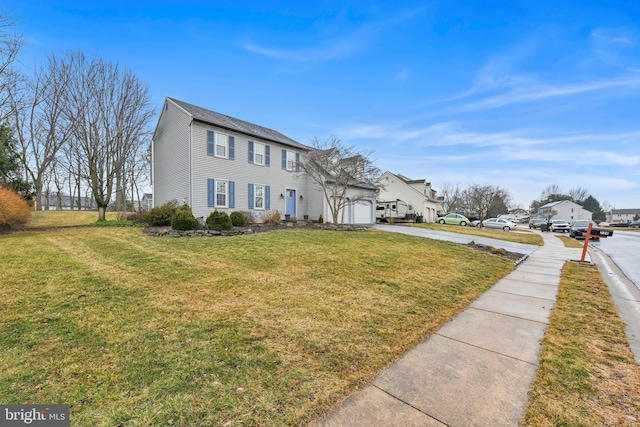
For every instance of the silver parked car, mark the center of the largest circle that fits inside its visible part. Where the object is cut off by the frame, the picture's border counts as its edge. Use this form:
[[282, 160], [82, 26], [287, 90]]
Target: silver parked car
[[499, 223]]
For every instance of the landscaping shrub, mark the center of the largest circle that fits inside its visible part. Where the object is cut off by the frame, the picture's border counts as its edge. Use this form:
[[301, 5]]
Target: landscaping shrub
[[249, 216], [136, 217], [14, 210], [183, 219], [271, 217], [219, 221], [238, 219], [161, 216]]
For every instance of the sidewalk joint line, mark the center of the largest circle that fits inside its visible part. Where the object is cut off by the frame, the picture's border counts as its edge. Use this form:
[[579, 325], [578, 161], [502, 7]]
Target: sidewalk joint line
[[486, 349], [509, 315], [410, 405], [520, 295]]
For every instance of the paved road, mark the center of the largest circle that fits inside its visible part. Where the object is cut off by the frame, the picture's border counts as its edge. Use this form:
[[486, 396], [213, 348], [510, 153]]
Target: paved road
[[624, 249], [520, 248]]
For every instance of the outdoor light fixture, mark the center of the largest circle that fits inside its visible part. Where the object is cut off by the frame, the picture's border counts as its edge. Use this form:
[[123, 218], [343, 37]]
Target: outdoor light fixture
[[301, 197], [281, 196]]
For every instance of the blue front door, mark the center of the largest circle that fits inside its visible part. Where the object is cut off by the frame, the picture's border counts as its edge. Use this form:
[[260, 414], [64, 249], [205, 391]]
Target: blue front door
[[291, 203]]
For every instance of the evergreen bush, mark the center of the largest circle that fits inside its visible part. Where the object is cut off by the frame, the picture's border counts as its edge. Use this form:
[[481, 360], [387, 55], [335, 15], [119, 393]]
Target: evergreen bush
[[238, 219], [219, 221], [183, 219], [161, 216]]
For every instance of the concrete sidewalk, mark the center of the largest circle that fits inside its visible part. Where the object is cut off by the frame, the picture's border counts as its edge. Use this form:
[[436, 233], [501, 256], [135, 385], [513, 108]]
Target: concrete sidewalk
[[475, 370]]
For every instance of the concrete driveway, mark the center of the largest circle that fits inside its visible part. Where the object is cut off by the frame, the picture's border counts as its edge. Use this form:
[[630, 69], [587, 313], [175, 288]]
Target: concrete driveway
[[459, 238]]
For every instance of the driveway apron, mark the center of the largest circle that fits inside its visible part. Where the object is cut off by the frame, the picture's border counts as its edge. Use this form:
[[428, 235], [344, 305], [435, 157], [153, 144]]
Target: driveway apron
[[476, 369]]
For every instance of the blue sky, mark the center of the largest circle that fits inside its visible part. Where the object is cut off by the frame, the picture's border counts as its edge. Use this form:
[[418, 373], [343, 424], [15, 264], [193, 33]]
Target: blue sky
[[520, 94]]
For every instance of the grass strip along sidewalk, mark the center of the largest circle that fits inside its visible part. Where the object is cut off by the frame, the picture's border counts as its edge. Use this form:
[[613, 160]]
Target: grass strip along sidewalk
[[587, 374]]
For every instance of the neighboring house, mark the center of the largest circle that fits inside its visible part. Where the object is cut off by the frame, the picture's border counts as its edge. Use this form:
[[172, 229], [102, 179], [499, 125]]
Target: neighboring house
[[565, 209], [54, 202], [215, 162], [622, 215], [147, 202], [416, 192], [517, 215]]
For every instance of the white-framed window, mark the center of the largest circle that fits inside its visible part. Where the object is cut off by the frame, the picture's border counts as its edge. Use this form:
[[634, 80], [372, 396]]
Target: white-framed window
[[258, 158], [291, 160], [258, 200], [221, 193], [221, 145]]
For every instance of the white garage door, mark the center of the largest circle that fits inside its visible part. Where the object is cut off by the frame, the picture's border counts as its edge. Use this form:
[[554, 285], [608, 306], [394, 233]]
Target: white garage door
[[363, 212]]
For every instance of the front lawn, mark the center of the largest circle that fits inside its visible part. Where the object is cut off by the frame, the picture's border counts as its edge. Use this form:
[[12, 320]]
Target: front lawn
[[267, 329]]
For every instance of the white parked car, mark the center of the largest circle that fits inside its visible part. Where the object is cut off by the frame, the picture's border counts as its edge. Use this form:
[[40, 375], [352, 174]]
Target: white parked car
[[499, 223], [560, 225]]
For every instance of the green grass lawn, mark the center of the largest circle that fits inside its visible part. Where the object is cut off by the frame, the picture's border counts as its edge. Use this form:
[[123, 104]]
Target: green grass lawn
[[41, 219], [587, 374], [268, 329], [526, 237]]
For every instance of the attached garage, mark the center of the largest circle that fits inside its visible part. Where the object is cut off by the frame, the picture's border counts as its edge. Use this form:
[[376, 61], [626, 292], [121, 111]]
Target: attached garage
[[363, 212]]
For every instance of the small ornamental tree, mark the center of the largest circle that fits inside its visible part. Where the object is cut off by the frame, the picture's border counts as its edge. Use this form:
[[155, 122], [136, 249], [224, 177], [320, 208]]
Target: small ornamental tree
[[336, 168]]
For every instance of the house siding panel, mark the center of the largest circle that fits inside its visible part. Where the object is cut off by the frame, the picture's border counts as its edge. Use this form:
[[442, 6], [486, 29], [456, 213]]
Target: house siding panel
[[242, 173], [171, 156]]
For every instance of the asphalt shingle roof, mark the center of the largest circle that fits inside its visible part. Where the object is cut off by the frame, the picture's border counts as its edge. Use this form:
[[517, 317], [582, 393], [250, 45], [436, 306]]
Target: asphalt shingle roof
[[237, 125]]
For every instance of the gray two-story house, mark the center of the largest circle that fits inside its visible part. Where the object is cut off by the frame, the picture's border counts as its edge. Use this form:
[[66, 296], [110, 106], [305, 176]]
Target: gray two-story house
[[211, 161]]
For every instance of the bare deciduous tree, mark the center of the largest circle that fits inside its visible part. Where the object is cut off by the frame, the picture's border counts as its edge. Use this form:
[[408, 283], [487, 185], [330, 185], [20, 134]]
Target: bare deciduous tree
[[483, 198], [109, 110], [10, 45], [336, 168], [452, 197], [37, 116], [578, 194]]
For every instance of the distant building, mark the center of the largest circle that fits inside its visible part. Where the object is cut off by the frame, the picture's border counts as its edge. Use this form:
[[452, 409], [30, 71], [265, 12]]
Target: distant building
[[622, 215], [53, 201], [147, 202], [565, 209]]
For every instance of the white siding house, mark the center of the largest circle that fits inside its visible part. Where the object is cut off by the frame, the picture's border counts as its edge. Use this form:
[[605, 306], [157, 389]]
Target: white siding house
[[211, 161], [565, 209], [416, 192], [623, 215]]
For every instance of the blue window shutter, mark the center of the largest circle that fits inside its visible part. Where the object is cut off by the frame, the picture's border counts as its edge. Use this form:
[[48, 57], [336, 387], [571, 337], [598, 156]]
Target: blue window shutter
[[232, 194], [211, 189], [210, 144], [250, 196], [267, 155], [232, 148], [250, 151], [267, 197], [284, 159], [297, 167]]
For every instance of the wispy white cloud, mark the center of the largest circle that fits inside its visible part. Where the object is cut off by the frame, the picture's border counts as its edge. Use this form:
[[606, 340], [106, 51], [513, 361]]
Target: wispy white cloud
[[401, 76], [610, 44], [451, 134], [499, 83], [336, 47]]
